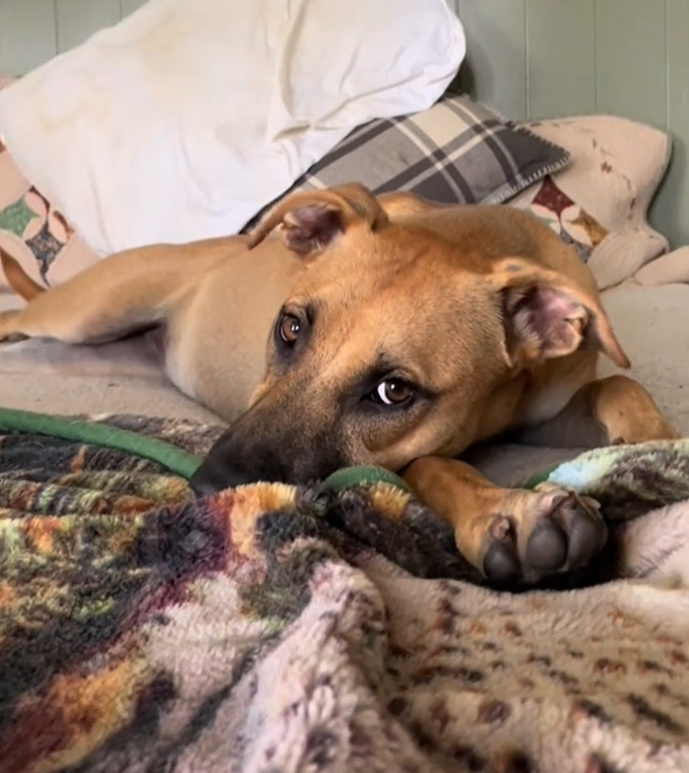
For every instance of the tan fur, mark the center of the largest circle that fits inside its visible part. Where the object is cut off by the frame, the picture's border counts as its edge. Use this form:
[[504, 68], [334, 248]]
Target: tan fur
[[18, 280], [495, 323]]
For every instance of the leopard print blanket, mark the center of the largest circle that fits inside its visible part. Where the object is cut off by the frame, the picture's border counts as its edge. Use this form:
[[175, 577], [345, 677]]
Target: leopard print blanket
[[333, 629]]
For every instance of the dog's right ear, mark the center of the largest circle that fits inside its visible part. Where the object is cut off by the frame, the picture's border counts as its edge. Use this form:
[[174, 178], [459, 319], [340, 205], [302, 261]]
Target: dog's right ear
[[547, 316], [311, 220]]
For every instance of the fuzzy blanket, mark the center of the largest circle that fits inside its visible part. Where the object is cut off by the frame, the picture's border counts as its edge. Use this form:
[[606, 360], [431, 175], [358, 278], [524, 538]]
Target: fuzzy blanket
[[332, 629]]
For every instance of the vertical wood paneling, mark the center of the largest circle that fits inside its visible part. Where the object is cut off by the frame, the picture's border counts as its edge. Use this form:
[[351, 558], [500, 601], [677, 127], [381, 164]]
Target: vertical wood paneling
[[671, 208], [631, 59], [128, 6], [28, 35], [496, 53], [561, 57], [77, 20]]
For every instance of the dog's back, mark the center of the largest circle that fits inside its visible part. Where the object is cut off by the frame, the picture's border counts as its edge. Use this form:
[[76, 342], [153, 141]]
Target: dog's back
[[487, 233]]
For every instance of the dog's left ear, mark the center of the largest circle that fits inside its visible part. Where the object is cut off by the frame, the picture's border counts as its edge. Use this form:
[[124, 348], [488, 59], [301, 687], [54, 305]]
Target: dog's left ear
[[310, 221], [545, 316]]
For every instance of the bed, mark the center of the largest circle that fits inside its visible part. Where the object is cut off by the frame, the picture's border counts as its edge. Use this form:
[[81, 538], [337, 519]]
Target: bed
[[336, 627]]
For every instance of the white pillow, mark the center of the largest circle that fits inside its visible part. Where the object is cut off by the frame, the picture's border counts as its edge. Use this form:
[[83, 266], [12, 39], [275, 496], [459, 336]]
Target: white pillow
[[184, 119]]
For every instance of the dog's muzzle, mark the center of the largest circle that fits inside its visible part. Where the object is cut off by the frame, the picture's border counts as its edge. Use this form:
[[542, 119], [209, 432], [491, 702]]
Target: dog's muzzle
[[231, 464], [248, 453]]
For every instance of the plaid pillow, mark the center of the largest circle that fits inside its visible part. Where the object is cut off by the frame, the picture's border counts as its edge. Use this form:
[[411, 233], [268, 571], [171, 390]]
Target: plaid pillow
[[456, 152]]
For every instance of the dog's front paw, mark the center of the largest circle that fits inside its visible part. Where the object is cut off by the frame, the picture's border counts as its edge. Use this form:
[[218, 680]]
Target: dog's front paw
[[548, 531]]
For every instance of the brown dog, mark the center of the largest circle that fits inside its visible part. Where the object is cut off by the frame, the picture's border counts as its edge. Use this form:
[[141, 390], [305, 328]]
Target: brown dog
[[398, 334]]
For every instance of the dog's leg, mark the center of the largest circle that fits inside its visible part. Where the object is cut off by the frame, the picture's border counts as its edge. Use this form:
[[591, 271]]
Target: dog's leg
[[510, 535], [65, 314], [609, 411], [520, 535], [124, 293]]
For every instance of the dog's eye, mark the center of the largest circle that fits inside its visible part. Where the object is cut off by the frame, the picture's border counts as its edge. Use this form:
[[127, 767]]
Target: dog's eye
[[392, 391], [289, 328]]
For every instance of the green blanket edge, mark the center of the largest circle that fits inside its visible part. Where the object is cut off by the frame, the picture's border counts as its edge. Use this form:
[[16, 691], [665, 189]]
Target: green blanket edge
[[172, 458]]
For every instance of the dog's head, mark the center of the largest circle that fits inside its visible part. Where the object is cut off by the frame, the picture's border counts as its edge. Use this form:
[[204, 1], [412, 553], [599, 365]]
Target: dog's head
[[390, 344]]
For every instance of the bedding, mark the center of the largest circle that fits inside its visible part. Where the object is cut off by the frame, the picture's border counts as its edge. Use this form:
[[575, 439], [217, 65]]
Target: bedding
[[568, 219], [181, 121], [653, 323], [667, 269], [616, 168], [456, 151], [33, 230], [329, 629]]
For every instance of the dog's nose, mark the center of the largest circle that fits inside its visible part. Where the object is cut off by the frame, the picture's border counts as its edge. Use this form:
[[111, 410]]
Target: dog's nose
[[213, 476], [251, 451]]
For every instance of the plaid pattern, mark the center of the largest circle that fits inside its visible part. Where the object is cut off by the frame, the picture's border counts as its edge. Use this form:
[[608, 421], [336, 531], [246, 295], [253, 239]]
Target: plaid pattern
[[457, 152]]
